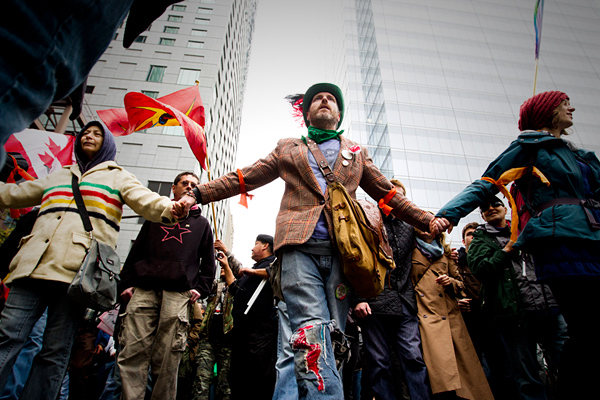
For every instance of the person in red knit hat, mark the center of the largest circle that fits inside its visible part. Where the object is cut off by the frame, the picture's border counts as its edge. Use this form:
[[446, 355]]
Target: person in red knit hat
[[560, 186]]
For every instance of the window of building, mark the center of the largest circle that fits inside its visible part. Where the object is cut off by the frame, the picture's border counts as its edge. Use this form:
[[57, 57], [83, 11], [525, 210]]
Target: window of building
[[202, 21], [166, 41], [162, 188], [178, 7], [156, 73], [89, 89], [174, 18], [116, 36], [171, 29], [140, 39], [195, 45], [173, 131], [199, 32], [205, 10], [150, 93], [188, 76]]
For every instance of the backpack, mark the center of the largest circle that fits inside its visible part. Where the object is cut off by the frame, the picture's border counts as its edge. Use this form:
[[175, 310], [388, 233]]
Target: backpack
[[361, 240]]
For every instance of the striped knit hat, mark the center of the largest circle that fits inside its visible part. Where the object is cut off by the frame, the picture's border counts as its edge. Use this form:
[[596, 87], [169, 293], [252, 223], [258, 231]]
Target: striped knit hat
[[537, 111]]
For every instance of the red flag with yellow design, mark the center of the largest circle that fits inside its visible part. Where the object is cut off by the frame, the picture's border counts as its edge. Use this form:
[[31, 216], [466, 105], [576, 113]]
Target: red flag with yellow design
[[183, 108]]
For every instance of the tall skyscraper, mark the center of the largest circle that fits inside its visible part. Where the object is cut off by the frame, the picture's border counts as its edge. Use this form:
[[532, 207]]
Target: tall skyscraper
[[434, 88], [206, 42]]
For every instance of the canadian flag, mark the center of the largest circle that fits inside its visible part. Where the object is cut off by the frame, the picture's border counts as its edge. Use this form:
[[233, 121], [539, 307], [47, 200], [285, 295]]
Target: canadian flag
[[44, 151]]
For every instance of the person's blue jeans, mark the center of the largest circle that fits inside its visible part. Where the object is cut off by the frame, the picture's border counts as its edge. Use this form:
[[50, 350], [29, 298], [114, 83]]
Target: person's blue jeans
[[316, 294], [20, 372], [49, 48], [400, 333], [27, 301], [286, 387]]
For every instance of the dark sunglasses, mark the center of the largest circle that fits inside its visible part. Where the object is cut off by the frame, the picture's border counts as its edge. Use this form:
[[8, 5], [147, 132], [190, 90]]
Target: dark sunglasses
[[495, 204]]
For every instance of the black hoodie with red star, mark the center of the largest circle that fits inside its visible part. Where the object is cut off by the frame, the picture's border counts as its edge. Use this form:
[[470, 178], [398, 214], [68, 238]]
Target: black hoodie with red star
[[176, 258]]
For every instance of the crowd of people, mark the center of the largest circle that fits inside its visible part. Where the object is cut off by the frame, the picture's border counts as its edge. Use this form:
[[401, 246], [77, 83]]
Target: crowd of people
[[501, 318], [505, 317]]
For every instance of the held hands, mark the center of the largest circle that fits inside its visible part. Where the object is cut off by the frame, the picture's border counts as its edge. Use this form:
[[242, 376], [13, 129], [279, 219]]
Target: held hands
[[362, 310], [443, 280], [438, 225], [181, 208]]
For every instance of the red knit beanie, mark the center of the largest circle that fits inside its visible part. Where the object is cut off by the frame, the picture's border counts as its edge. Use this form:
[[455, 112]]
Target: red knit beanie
[[537, 111]]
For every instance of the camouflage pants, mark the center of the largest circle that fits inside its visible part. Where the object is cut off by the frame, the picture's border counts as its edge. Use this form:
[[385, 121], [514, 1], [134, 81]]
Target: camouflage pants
[[208, 353]]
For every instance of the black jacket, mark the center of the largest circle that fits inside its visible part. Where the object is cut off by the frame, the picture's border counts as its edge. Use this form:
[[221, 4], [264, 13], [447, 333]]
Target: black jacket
[[398, 288], [174, 258], [261, 315]]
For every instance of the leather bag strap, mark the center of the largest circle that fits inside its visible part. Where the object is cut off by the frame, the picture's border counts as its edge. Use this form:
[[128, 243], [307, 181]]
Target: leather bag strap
[[321, 161], [85, 218]]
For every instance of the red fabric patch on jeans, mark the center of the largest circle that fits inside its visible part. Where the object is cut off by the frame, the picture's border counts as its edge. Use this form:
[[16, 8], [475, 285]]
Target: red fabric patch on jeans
[[312, 355]]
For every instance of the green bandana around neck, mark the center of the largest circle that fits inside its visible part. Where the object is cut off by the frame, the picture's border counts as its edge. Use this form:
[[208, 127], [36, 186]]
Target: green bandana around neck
[[321, 135]]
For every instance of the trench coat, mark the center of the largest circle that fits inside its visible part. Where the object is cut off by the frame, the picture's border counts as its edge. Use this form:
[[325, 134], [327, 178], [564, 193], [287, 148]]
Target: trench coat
[[452, 363]]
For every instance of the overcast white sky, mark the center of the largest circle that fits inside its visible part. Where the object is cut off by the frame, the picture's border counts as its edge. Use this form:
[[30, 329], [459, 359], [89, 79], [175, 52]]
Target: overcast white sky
[[286, 34]]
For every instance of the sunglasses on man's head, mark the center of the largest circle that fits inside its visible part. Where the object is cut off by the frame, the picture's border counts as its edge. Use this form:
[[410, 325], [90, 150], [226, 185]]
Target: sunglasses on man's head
[[495, 204]]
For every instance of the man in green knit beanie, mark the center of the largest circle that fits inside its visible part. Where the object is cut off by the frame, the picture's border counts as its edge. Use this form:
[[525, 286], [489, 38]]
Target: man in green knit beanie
[[313, 285]]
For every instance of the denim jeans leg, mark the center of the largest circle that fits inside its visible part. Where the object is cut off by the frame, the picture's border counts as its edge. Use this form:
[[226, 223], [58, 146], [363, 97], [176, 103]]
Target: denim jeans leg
[[338, 294], [308, 286], [22, 310], [286, 387], [20, 371], [50, 364]]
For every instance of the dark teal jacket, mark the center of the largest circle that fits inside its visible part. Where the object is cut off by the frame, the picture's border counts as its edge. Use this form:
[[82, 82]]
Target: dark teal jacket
[[558, 163]]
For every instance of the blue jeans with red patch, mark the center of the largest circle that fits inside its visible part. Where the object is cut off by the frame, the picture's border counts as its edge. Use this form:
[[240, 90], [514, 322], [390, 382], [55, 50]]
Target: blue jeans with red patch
[[316, 294]]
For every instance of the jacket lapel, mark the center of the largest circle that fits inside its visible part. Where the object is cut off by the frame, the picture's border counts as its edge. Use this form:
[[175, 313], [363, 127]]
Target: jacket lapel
[[304, 168]]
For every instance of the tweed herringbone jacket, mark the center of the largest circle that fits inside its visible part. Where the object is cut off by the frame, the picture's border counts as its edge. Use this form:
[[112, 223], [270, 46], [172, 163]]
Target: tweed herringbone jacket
[[303, 201]]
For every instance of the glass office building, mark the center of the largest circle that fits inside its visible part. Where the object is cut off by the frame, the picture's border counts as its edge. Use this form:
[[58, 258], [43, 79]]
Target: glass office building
[[434, 87]]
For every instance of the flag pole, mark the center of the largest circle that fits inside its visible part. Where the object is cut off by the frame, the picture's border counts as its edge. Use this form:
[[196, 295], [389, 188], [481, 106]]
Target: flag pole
[[212, 203], [535, 75], [538, 16]]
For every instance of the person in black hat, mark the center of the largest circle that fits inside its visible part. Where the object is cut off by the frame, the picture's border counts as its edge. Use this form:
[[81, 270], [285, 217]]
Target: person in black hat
[[254, 345], [312, 282]]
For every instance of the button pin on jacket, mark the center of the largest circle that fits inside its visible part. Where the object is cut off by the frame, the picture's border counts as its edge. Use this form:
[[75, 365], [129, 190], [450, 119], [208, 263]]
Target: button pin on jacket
[[347, 154], [345, 163]]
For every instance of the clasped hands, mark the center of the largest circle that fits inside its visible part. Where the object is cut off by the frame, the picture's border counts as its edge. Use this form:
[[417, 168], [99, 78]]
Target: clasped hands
[[181, 208]]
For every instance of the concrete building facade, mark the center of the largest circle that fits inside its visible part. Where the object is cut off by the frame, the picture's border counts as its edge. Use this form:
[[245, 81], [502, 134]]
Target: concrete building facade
[[204, 42]]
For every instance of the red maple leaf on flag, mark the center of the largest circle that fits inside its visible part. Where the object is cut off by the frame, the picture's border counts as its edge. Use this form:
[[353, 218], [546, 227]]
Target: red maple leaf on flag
[[47, 159]]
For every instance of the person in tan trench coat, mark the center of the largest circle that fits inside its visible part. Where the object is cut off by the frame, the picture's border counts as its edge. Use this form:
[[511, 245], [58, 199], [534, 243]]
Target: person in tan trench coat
[[451, 360]]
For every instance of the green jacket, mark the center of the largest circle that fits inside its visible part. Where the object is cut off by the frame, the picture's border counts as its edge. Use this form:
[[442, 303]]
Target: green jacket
[[493, 267], [558, 163]]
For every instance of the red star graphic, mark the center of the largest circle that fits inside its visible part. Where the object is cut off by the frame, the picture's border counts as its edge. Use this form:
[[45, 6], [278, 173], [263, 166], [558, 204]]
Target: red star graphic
[[173, 231]]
